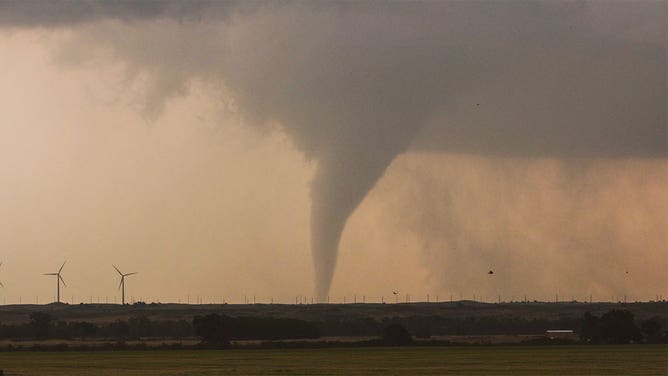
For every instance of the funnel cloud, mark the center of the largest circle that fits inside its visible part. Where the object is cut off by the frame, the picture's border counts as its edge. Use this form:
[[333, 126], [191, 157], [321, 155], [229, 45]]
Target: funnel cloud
[[354, 85]]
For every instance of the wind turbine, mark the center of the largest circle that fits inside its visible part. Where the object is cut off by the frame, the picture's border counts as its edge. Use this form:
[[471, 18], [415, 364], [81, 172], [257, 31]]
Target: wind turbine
[[59, 278], [122, 284]]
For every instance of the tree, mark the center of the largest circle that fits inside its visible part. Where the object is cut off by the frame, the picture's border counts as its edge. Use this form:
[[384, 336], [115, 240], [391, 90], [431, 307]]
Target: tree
[[212, 329], [652, 329], [140, 327], [591, 330], [40, 322], [616, 326], [423, 331], [396, 335]]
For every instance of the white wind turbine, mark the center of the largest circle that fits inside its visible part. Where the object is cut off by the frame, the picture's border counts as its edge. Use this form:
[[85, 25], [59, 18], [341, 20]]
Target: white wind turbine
[[59, 278], [122, 284]]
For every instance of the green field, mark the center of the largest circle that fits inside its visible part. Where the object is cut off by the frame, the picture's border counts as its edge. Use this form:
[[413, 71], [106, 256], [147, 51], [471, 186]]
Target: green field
[[497, 360]]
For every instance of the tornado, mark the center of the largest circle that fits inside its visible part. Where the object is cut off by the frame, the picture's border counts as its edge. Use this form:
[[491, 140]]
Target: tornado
[[340, 184], [333, 200]]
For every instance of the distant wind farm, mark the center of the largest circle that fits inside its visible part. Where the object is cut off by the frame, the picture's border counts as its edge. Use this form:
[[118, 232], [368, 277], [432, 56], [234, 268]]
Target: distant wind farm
[[299, 299]]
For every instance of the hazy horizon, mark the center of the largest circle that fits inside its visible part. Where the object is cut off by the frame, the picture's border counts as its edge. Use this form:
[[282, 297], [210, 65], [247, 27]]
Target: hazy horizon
[[223, 150]]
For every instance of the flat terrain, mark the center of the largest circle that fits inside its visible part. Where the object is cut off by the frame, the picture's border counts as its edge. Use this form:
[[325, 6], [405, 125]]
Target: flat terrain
[[96, 313], [475, 360]]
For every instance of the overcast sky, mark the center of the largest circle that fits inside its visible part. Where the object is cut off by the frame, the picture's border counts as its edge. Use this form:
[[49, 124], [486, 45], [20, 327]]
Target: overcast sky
[[281, 149]]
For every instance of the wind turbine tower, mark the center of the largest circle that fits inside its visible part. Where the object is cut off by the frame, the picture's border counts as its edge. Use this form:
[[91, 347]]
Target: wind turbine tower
[[59, 279], [121, 285]]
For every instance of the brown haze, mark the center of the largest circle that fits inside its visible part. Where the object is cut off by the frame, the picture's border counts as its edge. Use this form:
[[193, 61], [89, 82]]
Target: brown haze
[[210, 151]]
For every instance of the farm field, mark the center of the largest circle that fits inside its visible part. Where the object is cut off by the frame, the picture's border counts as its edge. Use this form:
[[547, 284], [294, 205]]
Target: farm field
[[479, 360]]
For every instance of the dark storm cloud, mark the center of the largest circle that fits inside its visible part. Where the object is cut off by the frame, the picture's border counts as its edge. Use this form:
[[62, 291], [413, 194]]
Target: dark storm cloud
[[39, 13]]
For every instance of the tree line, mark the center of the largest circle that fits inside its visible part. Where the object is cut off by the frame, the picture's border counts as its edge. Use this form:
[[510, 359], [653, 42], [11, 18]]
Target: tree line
[[619, 326], [616, 326], [43, 325]]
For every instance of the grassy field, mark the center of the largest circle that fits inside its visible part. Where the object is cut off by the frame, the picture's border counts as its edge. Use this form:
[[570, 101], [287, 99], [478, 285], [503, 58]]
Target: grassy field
[[498, 360]]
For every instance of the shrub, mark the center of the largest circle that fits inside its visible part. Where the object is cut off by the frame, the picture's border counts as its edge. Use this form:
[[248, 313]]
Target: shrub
[[212, 329], [396, 335]]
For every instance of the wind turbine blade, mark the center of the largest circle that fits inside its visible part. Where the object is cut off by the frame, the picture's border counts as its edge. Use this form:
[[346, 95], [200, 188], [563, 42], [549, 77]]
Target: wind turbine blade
[[61, 267], [120, 283], [119, 272], [50, 273], [0, 263], [125, 275], [61, 278], [3, 286]]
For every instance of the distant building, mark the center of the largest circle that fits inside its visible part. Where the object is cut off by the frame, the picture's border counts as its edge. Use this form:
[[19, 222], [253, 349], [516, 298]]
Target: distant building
[[560, 334]]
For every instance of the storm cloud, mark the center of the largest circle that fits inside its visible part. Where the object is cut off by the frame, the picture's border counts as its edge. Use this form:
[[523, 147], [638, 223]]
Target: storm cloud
[[355, 85]]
